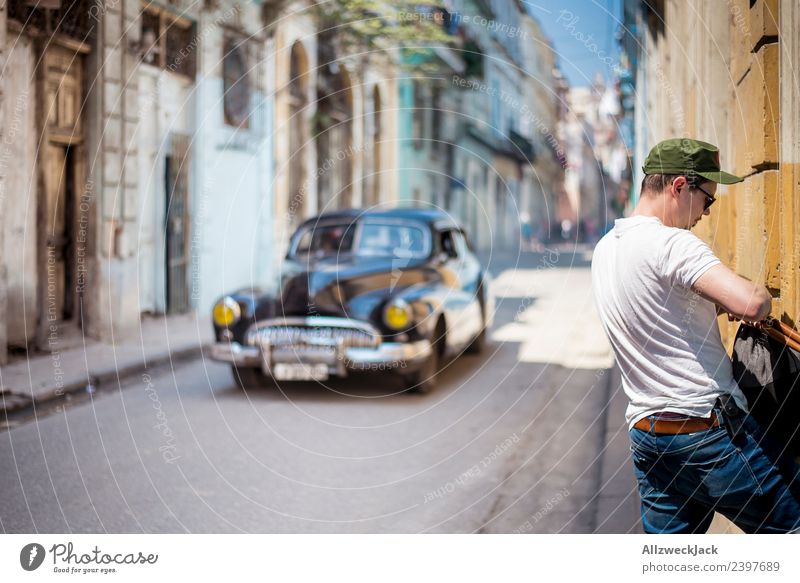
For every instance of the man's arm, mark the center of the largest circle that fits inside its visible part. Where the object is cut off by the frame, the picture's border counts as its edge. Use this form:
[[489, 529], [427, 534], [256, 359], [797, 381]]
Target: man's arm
[[736, 295]]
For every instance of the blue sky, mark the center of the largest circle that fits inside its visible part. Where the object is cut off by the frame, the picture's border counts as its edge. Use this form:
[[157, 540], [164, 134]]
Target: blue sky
[[583, 33]]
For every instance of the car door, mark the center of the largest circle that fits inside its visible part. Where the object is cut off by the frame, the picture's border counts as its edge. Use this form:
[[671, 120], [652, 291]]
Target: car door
[[459, 274], [470, 277]]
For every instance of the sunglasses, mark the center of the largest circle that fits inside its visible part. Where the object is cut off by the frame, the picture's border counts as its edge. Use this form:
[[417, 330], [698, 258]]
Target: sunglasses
[[710, 198]]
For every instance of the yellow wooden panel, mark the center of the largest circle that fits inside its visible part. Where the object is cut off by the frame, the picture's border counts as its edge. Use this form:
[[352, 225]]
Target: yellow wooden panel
[[764, 19], [768, 59], [741, 154], [723, 242], [760, 100], [751, 244], [766, 187], [741, 35]]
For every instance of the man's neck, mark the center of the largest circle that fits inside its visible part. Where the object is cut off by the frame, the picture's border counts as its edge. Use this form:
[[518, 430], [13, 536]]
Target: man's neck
[[653, 208]]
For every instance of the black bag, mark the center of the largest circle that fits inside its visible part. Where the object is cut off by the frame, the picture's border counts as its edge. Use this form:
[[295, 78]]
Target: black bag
[[768, 372]]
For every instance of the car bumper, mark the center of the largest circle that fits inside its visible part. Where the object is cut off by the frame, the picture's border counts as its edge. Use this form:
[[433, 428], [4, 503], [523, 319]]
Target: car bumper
[[235, 353], [399, 356]]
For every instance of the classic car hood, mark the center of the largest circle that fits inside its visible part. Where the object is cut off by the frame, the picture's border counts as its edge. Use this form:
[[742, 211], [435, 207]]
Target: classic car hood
[[347, 285]]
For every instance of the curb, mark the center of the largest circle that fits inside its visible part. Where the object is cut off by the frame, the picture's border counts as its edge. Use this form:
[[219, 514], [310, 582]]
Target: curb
[[12, 401]]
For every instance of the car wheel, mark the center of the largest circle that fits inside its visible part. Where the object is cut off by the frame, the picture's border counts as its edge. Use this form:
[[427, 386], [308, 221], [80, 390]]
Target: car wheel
[[478, 343], [425, 379], [249, 378]]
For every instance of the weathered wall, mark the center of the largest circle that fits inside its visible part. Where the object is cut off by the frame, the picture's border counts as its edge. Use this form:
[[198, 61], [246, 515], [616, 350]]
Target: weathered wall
[[232, 210], [542, 116], [19, 192], [3, 165], [112, 183], [165, 101]]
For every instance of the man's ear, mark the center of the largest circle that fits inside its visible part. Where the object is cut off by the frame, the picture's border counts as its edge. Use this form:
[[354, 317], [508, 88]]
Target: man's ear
[[677, 185]]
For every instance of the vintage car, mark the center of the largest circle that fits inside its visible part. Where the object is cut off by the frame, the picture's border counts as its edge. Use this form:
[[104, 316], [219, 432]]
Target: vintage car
[[392, 290]]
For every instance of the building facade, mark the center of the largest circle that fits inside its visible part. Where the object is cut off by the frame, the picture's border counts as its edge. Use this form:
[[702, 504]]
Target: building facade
[[69, 173], [540, 121], [140, 135]]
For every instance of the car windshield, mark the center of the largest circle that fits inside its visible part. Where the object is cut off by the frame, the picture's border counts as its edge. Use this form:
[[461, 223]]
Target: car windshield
[[387, 240], [374, 240], [326, 240]]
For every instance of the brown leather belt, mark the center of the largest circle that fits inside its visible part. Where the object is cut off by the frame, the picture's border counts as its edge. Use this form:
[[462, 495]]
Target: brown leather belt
[[678, 426]]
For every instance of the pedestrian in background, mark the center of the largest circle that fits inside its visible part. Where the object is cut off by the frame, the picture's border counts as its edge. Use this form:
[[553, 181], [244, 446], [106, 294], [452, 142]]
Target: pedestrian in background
[[658, 289], [526, 231]]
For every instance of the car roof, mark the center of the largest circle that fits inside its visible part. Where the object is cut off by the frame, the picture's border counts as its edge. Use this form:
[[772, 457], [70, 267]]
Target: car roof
[[435, 217]]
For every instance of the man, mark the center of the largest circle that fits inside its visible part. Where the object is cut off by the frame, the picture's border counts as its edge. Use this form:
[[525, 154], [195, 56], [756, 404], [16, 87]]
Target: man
[[658, 288]]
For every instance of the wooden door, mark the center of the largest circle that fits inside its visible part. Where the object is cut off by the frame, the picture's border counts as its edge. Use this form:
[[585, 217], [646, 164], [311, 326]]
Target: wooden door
[[59, 215]]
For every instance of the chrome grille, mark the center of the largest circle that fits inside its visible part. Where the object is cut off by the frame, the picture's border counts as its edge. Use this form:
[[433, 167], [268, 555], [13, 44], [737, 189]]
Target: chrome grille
[[279, 335]]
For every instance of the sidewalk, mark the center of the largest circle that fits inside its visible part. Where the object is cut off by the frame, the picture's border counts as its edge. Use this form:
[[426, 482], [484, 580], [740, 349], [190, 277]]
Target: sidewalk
[[617, 502], [51, 376]]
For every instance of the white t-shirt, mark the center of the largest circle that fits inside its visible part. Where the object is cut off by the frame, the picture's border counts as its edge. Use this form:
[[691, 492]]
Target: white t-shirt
[[665, 337]]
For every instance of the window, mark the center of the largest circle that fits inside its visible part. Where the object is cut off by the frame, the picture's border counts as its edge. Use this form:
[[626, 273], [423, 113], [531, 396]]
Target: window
[[236, 83], [168, 41], [448, 243], [151, 35], [181, 49], [75, 19]]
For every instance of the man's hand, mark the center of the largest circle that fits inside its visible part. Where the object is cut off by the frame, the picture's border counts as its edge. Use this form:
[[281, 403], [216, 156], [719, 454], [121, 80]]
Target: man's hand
[[731, 317], [740, 298]]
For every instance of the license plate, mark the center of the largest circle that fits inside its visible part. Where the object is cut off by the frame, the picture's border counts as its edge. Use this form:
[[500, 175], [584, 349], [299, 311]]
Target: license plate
[[299, 372]]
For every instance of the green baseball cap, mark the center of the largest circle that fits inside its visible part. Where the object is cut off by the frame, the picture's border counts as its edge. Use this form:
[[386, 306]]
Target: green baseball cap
[[688, 158]]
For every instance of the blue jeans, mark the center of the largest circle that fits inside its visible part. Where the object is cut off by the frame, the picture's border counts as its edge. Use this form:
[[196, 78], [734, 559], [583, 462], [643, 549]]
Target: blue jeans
[[683, 479]]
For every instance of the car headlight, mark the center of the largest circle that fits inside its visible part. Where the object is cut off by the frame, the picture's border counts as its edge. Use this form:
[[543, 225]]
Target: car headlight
[[397, 314], [227, 312]]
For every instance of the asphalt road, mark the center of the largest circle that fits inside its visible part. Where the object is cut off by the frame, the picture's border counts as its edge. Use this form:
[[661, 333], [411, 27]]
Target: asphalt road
[[523, 438]]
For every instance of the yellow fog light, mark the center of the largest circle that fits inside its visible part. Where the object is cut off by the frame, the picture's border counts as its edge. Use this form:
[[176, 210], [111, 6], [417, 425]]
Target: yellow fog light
[[397, 315], [226, 312]]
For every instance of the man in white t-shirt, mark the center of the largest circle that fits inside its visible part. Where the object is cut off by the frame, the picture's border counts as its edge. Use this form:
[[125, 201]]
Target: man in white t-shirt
[[658, 289]]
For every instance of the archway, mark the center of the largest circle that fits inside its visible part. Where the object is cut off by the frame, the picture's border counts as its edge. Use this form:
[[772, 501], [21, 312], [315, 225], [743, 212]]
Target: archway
[[334, 138]]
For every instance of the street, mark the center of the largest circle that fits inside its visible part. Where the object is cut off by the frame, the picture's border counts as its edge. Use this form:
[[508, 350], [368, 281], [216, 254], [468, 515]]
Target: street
[[526, 437]]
